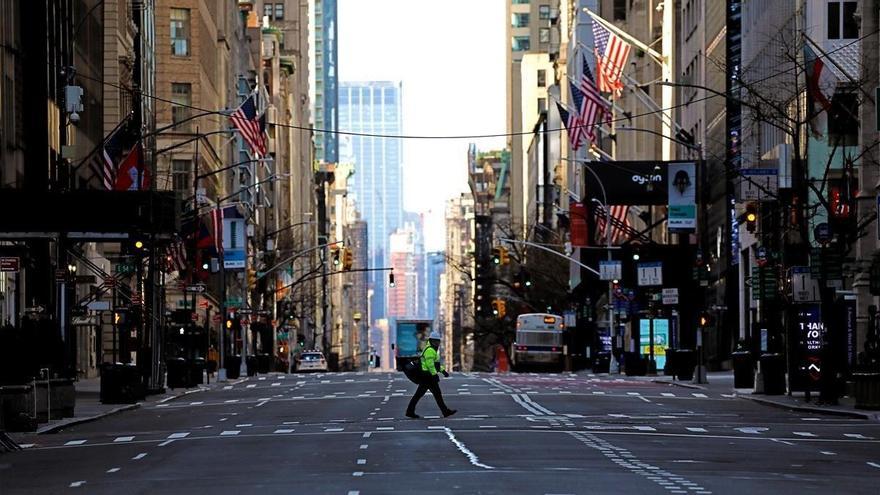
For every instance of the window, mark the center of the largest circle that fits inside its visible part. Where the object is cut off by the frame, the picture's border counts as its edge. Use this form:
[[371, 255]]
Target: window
[[181, 96], [544, 11], [619, 10], [267, 10], [842, 23], [180, 175], [521, 43], [180, 32], [542, 78], [542, 105], [520, 20], [544, 35], [843, 120], [279, 11], [515, 2]]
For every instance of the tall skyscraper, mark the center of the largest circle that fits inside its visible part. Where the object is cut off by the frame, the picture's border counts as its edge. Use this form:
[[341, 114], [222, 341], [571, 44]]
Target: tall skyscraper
[[325, 82], [375, 108]]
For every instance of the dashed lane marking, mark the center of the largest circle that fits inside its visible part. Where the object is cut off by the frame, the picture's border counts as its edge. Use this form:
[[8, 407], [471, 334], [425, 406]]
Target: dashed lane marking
[[139, 456], [696, 429], [252, 385], [384, 428], [354, 492], [826, 452], [167, 442], [361, 461], [874, 464], [230, 401], [229, 432], [702, 396], [244, 425], [367, 434], [364, 446], [113, 470], [857, 435], [75, 442], [123, 439], [803, 434], [284, 430], [357, 473], [228, 387], [261, 404], [182, 434], [333, 429], [77, 484], [667, 394]]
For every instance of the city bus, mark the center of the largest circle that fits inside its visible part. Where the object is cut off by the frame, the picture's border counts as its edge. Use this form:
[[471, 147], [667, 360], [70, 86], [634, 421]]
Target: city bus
[[539, 341]]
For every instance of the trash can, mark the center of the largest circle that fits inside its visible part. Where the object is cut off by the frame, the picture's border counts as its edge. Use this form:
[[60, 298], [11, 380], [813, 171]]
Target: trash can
[[669, 365], [773, 372], [233, 366], [601, 362], [867, 390], [743, 369], [634, 364], [685, 361], [251, 362], [196, 371], [264, 363], [178, 373]]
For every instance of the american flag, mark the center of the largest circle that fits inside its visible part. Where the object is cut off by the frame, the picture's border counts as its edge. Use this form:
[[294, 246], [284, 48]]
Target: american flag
[[175, 256], [611, 55], [102, 162], [245, 119], [577, 135], [570, 121], [595, 107], [619, 223]]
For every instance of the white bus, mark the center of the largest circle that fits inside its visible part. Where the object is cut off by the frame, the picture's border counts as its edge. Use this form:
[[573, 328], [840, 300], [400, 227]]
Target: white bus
[[539, 340]]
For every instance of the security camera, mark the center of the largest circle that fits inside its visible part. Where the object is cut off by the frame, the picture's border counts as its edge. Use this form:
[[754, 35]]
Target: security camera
[[74, 117]]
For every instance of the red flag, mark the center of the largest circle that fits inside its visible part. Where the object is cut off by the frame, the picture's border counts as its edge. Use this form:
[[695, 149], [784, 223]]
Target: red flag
[[578, 213], [131, 175]]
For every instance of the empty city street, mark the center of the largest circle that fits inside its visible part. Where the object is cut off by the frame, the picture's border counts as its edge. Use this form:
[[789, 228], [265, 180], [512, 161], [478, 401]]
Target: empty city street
[[345, 433]]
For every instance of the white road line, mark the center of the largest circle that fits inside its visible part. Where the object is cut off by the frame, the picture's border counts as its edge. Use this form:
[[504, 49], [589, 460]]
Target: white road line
[[77, 484], [357, 473], [123, 439], [633, 393], [696, 429], [182, 434], [26, 445], [139, 456], [644, 399], [229, 432], [113, 470], [230, 401], [803, 434], [283, 430], [488, 426], [472, 457], [702, 396], [224, 419], [167, 442], [598, 393], [753, 430], [362, 461], [228, 387], [290, 423], [275, 384], [252, 385], [384, 428], [825, 452], [244, 425], [874, 464], [367, 434], [364, 446], [354, 492], [667, 394], [196, 403], [75, 442], [644, 428], [857, 435], [333, 429], [262, 403]]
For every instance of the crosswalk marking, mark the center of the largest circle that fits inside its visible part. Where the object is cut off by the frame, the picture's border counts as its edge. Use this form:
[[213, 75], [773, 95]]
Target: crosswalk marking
[[229, 432], [334, 429], [75, 442], [139, 456], [803, 434], [702, 396], [123, 439], [283, 430], [667, 394], [857, 435], [696, 429]]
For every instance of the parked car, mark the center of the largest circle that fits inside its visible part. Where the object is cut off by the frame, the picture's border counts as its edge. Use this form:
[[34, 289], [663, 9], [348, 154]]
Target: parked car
[[310, 361]]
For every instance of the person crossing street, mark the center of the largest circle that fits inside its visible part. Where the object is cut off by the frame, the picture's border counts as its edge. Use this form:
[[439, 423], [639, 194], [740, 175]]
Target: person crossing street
[[429, 379]]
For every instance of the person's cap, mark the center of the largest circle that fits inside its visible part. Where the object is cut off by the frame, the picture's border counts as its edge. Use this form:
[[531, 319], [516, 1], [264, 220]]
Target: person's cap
[[435, 335]]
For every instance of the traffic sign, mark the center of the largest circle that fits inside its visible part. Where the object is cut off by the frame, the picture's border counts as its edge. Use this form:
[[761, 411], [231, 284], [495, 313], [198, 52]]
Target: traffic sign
[[125, 268], [610, 270], [761, 256], [650, 273], [670, 295], [60, 275], [196, 288], [10, 264], [216, 318], [110, 281], [822, 233]]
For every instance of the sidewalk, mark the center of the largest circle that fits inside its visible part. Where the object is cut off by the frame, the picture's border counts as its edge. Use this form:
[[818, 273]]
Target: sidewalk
[[90, 408], [721, 382]]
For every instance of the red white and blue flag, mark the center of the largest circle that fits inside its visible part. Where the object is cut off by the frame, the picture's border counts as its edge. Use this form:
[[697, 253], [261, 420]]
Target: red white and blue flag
[[570, 121], [581, 128], [595, 108], [821, 80], [619, 224], [611, 55], [246, 120]]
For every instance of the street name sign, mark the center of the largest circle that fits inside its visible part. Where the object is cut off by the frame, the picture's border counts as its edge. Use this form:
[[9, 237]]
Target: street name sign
[[758, 184]]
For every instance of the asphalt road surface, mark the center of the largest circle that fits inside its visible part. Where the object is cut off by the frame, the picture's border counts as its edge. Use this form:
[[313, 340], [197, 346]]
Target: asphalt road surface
[[346, 433]]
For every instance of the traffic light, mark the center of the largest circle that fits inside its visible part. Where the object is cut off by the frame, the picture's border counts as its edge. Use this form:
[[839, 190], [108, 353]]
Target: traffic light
[[347, 259], [336, 256], [499, 308], [251, 278], [391, 279], [705, 319], [136, 244], [751, 217], [496, 256], [505, 259]]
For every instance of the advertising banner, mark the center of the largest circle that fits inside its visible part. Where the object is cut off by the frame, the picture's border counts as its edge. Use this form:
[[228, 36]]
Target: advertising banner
[[682, 196], [234, 243], [661, 340], [578, 214]]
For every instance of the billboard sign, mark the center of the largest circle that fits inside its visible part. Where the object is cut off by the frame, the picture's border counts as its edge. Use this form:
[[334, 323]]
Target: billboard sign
[[234, 243], [661, 339], [682, 188], [579, 237]]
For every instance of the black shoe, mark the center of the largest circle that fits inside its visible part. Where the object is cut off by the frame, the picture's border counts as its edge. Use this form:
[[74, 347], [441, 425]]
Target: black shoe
[[412, 415], [449, 412]]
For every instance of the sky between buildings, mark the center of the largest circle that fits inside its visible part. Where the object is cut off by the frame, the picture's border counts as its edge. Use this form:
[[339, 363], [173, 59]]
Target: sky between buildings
[[450, 56]]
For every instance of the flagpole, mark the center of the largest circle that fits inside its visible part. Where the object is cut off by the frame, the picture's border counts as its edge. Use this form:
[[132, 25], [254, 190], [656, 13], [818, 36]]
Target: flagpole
[[825, 55], [101, 144]]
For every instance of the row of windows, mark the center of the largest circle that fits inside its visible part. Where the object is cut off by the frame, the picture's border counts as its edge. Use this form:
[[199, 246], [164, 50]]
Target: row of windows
[[275, 12]]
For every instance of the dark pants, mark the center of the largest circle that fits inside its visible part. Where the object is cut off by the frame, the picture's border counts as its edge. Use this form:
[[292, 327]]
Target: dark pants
[[432, 383]]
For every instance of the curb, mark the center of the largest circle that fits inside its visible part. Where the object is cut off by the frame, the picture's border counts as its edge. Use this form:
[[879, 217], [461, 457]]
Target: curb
[[811, 409], [78, 421]]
